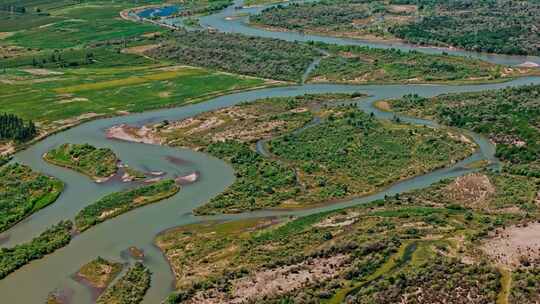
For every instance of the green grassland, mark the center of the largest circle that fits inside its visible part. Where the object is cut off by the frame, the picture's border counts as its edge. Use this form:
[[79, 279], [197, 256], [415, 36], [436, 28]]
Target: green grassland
[[118, 203], [354, 64], [348, 154], [97, 163], [130, 288], [74, 25], [56, 100], [393, 248], [491, 113], [23, 192]]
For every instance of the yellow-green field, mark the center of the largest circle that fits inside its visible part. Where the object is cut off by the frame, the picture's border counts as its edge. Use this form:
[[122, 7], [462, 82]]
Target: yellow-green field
[[63, 96]]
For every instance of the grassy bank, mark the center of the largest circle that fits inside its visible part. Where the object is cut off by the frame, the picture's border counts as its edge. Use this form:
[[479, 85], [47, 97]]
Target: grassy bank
[[358, 65]]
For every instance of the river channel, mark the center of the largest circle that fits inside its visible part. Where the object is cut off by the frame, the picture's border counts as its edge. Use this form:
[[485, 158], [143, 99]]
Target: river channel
[[33, 282]]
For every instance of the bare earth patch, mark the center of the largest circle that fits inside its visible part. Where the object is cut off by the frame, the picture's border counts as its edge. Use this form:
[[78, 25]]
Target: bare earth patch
[[42, 72], [134, 134], [7, 148], [338, 220], [515, 246], [273, 282], [140, 50], [261, 130], [472, 189]]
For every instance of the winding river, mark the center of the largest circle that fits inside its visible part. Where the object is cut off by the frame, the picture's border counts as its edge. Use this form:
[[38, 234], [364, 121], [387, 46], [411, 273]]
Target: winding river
[[33, 282]]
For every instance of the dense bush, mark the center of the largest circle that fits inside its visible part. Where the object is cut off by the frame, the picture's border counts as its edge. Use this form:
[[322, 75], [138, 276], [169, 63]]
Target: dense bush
[[509, 27], [87, 159], [52, 239], [510, 117], [260, 183], [129, 289], [23, 191], [261, 57], [440, 280], [120, 202], [525, 286]]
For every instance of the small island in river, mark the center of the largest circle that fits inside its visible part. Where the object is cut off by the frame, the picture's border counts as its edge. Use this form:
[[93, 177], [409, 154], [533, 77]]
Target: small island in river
[[100, 164]]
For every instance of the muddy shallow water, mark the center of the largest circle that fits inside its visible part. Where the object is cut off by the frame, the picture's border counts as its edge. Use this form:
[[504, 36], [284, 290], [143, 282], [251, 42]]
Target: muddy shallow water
[[33, 282]]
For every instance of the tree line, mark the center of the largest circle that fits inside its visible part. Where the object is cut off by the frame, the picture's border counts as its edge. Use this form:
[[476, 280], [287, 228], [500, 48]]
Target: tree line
[[13, 127]]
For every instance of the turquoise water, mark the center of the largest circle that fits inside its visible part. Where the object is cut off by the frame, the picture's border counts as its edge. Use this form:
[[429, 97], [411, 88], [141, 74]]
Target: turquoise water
[[164, 11]]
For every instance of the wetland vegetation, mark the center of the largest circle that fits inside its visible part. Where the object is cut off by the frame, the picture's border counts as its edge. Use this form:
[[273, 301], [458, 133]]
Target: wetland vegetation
[[130, 288], [97, 163], [47, 242], [23, 192], [118, 203], [471, 238], [490, 113], [358, 64], [346, 153]]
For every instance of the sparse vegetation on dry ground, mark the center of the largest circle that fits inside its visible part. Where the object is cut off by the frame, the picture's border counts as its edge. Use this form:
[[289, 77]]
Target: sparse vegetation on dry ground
[[130, 288], [97, 163], [118, 203], [23, 192], [421, 245]]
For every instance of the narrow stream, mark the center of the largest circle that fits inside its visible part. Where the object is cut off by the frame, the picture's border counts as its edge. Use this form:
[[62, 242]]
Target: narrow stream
[[33, 282]]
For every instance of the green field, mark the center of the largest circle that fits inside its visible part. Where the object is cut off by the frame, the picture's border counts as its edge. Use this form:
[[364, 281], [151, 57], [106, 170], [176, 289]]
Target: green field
[[74, 25], [66, 96]]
